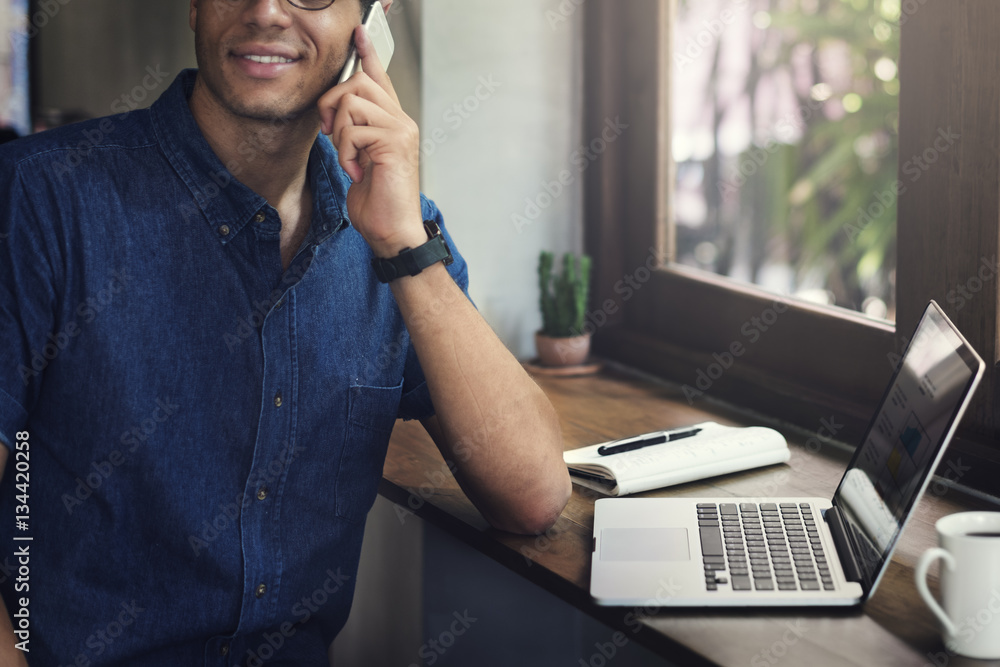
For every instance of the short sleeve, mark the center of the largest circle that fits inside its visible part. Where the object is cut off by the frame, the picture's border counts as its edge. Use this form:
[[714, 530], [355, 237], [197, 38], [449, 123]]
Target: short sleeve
[[416, 399], [31, 337]]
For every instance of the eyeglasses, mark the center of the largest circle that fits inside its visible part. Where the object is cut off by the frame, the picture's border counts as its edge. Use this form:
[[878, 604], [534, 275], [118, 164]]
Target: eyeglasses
[[311, 5], [308, 5]]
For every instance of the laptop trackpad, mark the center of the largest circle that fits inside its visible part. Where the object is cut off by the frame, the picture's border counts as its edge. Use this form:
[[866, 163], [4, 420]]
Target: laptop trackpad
[[645, 544]]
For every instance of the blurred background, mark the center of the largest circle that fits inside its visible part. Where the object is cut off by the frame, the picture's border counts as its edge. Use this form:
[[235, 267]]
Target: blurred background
[[785, 145]]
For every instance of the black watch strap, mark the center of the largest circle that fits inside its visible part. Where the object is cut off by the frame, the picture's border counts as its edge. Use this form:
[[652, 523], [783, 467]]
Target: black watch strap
[[411, 261]]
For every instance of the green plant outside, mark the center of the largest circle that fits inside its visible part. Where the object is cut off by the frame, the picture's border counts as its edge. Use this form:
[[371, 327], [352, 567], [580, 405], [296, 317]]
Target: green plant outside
[[825, 205]]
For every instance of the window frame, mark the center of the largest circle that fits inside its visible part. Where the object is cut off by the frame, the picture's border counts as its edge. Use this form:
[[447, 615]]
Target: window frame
[[680, 323]]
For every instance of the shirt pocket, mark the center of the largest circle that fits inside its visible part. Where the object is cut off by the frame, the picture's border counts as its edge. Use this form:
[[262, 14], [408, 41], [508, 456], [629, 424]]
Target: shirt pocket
[[371, 414]]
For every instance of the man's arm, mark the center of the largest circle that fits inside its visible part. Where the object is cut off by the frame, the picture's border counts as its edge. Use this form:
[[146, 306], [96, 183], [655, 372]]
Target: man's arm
[[492, 420], [9, 654]]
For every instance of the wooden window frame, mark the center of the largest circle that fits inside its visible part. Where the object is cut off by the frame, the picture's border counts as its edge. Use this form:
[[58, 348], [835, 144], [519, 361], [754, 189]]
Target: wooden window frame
[[810, 363]]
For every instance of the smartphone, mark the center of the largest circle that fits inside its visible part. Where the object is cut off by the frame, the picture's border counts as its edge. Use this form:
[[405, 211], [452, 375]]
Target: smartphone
[[378, 30]]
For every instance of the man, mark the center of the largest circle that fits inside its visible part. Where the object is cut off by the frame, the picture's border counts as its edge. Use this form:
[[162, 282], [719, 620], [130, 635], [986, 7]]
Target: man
[[200, 371]]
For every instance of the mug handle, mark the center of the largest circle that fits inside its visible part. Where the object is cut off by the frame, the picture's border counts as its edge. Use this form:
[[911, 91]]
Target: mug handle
[[923, 565]]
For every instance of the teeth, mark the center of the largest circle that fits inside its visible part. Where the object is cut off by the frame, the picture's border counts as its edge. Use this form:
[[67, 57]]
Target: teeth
[[268, 59]]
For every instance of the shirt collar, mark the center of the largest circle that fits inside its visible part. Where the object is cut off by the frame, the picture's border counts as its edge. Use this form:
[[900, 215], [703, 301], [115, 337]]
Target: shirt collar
[[227, 204]]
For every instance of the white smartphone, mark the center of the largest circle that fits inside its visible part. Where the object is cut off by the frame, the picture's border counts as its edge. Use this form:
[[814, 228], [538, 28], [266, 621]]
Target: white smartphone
[[378, 30]]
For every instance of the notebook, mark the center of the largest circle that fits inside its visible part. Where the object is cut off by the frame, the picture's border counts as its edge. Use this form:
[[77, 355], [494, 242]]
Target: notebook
[[755, 552], [682, 455]]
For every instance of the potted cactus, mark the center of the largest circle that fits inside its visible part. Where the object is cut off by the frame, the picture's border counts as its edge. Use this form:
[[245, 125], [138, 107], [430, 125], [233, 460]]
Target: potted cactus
[[562, 340]]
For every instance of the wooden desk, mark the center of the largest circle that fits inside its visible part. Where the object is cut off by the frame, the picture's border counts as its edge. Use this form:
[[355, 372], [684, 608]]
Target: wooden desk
[[893, 628]]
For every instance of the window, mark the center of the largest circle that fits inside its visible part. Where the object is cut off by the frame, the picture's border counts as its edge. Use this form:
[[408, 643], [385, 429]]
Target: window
[[785, 115], [798, 361]]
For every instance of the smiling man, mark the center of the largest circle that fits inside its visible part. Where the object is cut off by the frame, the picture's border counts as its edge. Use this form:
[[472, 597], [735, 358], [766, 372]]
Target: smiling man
[[211, 320]]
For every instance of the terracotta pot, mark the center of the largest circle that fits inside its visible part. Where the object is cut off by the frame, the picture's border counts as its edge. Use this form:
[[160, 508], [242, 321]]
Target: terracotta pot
[[570, 351]]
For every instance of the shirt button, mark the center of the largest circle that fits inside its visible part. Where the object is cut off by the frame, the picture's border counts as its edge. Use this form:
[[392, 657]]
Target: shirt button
[[259, 217], [277, 400], [224, 230], [224, 649], [261, 589], [262, 493]]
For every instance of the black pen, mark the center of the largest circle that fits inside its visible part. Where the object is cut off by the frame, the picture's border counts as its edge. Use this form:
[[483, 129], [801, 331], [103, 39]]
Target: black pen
[[607, 450]]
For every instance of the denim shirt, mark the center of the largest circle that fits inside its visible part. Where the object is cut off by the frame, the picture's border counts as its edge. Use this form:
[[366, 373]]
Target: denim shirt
[[205, 431]]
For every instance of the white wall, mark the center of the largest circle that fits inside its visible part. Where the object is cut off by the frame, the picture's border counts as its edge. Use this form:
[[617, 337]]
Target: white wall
[[481, 162]]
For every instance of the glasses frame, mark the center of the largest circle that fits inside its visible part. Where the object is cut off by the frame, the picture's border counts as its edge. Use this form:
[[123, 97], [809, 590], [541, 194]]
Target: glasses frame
[[311, 9]]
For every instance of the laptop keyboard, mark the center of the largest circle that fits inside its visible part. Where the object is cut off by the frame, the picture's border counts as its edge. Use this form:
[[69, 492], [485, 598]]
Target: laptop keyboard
[[764, 547]]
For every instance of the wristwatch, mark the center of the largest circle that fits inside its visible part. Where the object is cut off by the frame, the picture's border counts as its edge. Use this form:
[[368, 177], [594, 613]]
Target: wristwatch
[[411, 261]]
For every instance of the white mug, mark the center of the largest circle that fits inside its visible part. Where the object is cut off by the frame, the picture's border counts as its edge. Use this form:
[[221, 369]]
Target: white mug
[[970, 582]]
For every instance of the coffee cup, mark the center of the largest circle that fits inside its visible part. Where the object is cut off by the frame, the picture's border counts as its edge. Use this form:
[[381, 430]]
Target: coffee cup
[[970, 582]]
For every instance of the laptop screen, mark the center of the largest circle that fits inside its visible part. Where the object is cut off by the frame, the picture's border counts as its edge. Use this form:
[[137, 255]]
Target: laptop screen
[[906, 439]]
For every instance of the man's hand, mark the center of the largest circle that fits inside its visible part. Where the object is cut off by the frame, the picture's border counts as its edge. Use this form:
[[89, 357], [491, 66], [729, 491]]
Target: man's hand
[[379, 148]]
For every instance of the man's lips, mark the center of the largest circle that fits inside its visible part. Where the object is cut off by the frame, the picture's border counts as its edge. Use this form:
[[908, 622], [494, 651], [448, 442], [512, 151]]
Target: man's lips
[[266, 53], [268, 59], [264, 62]]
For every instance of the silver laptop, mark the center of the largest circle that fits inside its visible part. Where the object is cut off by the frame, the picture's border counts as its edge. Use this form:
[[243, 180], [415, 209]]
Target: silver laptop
[[735, 552]]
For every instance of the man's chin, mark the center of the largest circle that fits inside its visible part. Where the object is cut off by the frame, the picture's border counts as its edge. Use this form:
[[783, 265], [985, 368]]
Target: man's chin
[[273, 113]]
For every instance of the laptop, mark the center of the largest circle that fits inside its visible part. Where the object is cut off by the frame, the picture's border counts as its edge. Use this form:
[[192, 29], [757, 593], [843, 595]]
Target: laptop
[[758, 552]]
